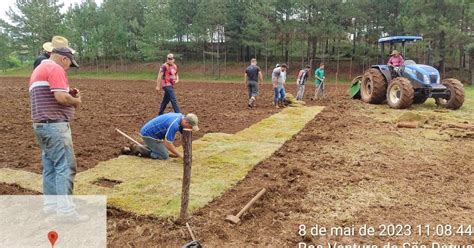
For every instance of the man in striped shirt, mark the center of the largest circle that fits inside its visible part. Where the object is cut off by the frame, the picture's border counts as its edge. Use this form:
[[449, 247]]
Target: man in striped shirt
[[52, 108], [159, 133]]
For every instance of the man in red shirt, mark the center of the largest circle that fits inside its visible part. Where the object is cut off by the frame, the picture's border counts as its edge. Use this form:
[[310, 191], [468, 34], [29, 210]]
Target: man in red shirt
[[167, 78], [52, 108]]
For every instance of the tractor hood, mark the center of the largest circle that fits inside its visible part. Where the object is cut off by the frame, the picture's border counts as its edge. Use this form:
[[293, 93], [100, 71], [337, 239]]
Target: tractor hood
[[423, 73]]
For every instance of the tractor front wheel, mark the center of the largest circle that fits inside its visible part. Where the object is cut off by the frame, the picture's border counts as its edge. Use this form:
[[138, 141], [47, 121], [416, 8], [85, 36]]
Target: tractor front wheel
[[373, 87], [455, 99], [400, 93]]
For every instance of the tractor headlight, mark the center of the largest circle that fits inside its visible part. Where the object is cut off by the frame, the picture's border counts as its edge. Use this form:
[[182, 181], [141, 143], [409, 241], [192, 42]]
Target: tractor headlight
[[426, 79]]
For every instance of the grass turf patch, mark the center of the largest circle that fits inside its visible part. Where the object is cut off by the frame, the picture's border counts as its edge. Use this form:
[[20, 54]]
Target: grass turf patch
[[151, 187], [427, 113]]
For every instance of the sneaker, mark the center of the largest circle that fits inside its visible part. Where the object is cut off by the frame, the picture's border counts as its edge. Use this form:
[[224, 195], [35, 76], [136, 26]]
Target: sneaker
[[140, 151], [125, 150], [276, 106]]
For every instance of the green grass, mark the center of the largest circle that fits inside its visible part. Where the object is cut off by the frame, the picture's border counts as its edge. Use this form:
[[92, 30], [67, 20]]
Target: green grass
[[469, 98], [125, 75], [25, 71], [429, 111]]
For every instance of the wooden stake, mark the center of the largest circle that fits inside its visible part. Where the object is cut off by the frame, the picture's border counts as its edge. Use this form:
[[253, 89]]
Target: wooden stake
[[187, 138]]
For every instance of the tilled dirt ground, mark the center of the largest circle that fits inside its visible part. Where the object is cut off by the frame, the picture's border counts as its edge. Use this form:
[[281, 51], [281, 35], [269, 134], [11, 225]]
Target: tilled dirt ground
[[125, 105], [340, 170]]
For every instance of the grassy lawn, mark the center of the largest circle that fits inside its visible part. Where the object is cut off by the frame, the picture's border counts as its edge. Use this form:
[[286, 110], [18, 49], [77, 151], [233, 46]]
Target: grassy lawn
[[124, 75]]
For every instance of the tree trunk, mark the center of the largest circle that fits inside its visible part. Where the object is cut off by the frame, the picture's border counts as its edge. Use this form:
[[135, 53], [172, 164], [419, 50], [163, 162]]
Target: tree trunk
[[442, 53], [308, 48], [241, 54], [314, 45], [334, 46], [247, 57], [354, 41], [461, 56], [218, 56], [326, 49], [471, 68]]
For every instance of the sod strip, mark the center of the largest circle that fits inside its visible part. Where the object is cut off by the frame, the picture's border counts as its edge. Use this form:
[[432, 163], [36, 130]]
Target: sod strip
[[153, 187]]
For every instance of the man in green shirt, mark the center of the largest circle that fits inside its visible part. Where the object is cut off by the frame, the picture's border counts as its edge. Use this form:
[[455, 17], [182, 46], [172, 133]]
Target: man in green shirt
[[320, 75]]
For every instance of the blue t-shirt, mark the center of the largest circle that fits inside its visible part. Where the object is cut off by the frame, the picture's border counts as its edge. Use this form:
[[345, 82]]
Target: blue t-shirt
[[163, 127]]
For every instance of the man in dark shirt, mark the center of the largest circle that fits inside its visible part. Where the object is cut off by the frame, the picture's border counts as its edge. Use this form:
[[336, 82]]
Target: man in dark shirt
[[252, 76], [56, 42], [44, 55]]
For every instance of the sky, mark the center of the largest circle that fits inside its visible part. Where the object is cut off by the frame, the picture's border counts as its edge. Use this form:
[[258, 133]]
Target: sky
[[6, 4]]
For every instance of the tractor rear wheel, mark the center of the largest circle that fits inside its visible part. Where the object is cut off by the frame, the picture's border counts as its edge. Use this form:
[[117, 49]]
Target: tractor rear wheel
[[373, 87], [456, 94], [400, 93]]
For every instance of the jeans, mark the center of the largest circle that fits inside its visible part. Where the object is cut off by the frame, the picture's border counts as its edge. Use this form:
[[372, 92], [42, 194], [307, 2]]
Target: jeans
[[59, 165], [279, 95], [169, 97], [252, 89], [300, 93], [158, 149]]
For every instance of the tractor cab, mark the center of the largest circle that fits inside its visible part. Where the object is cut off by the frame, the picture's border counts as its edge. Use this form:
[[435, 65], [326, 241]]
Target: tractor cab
[[411, 83], [393, 40]]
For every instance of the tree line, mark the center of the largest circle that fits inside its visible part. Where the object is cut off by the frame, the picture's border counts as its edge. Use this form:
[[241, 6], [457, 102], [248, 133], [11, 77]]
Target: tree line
[[302, 30]]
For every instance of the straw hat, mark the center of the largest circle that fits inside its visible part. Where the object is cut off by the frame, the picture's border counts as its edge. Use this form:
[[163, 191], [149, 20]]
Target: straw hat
[[57, 42], [395, 52]]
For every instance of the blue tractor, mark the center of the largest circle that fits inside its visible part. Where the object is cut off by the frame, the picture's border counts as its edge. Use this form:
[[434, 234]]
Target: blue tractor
[[408, 84]]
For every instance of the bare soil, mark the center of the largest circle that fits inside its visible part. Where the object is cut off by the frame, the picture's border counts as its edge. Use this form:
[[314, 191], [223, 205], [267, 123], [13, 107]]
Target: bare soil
[[125, 105], [335, 172]]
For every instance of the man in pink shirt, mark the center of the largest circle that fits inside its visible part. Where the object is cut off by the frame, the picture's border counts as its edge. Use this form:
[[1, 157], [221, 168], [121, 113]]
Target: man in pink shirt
[[52, 108], [395, 60]]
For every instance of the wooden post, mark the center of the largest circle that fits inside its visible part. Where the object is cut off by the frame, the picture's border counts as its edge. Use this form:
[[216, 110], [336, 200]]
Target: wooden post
[[187, 159]]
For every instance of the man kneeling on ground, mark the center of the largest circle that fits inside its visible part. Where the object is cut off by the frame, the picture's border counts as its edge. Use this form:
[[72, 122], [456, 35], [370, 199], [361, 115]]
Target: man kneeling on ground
[[159, 133]]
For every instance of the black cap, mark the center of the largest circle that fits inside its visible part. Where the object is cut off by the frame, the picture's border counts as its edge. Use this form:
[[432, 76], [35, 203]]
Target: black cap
[[65, 51]]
